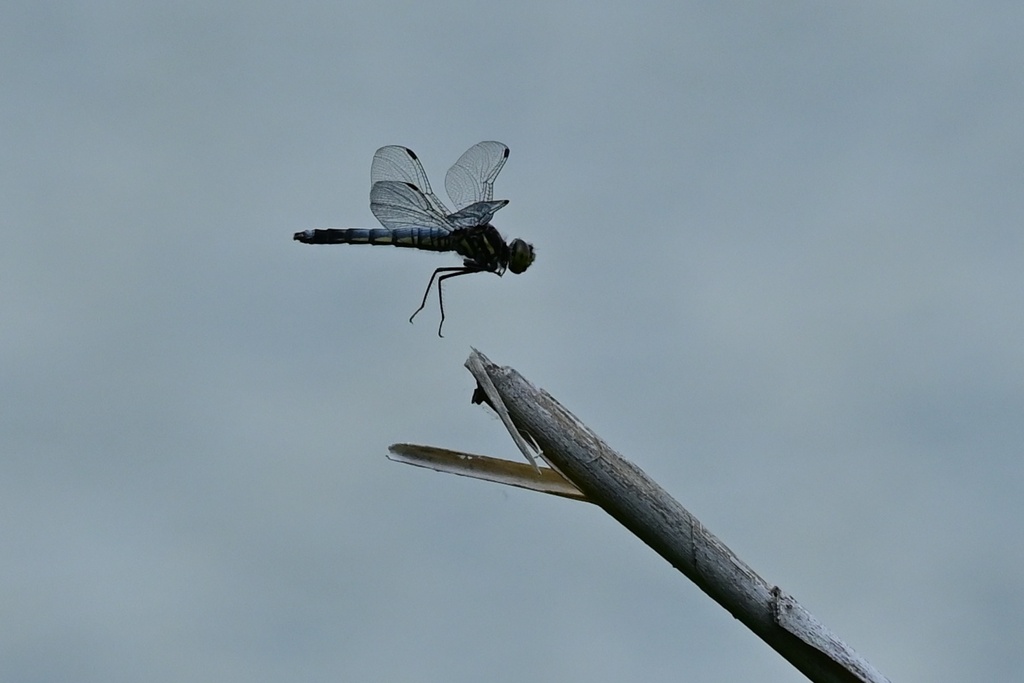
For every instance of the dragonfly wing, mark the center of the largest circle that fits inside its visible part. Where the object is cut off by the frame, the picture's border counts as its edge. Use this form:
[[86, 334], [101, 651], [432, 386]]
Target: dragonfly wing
[[398, 204], [479, 213], [471, 179], [395, 162]]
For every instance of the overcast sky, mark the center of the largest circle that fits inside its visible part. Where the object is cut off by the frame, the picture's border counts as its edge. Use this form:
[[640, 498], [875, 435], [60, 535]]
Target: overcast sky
[[780, 266]]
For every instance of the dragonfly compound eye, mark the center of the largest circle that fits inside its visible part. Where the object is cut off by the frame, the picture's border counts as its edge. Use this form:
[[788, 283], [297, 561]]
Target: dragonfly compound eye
[[520, 256]]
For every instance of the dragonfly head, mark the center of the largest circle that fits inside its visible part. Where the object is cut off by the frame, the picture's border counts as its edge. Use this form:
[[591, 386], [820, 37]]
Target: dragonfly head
[[520, 255]]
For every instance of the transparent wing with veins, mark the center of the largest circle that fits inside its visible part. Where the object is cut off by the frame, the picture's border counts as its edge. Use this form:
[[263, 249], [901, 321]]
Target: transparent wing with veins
[[395, 162], [398, 204], [400, 193], [471, 179]]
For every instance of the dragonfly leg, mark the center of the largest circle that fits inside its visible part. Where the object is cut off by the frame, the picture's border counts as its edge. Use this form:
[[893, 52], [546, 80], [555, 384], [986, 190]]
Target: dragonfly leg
[[451, 271]]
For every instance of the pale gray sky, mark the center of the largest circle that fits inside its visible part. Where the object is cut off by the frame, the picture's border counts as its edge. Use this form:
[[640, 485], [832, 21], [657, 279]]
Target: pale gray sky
[[780, 266]]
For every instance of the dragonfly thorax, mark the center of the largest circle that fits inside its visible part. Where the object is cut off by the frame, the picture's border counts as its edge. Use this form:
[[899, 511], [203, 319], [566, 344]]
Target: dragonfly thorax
[[484, 248]]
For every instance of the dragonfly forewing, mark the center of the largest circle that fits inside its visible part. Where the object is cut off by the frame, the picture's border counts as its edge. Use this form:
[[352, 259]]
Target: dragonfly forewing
[[476, 214], [471, 178]]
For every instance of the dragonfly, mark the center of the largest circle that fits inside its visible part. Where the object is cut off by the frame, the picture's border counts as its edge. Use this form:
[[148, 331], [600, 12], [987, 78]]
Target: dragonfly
[[414, 217]]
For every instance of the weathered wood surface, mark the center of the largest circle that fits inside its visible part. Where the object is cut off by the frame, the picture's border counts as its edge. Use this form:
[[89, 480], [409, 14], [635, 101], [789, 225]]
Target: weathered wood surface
[[626, 493]]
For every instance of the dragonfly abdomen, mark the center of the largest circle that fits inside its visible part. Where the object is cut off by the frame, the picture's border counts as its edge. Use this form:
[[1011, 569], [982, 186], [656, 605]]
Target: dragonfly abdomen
[[430, 239]]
